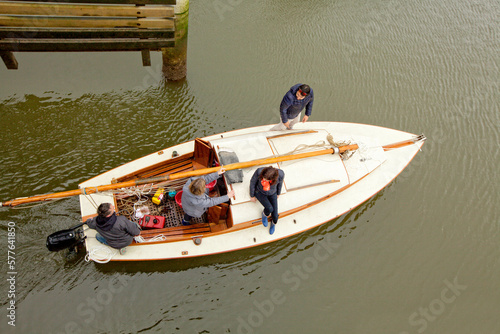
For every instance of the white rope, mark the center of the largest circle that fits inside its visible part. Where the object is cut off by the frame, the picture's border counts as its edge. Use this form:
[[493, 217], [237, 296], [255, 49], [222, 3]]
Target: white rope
[[94, 255], [141, 239]]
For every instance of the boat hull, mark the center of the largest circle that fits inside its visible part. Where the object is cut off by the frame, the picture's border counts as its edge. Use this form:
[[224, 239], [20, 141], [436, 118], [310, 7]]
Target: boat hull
[[314, 210]]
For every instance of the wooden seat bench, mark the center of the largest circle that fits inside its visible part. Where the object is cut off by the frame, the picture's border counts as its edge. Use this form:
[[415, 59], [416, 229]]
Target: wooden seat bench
[[178, 231]]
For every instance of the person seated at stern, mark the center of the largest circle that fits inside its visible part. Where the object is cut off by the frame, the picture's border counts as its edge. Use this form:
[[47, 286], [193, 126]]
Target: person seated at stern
[[114, 231], [195, 199]]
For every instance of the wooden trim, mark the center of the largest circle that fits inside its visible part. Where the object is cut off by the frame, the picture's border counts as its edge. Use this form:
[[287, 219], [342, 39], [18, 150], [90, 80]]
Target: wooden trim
[[72, 33], [174, 162], [203, 153], [85, 22], [313, 185], [16, 8], [398, 145], [292, 134], [68, 45]]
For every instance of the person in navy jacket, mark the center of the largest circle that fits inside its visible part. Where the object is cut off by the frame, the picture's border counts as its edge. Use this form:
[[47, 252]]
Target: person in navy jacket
[[295, 100]]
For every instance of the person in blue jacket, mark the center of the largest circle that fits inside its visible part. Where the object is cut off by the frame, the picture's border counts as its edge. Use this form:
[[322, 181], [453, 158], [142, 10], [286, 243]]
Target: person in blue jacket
[[295, 100], [195, 200], [265, 186]]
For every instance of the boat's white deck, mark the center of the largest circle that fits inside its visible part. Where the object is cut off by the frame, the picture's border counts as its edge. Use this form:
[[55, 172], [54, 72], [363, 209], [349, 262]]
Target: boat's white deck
[[384, 167]]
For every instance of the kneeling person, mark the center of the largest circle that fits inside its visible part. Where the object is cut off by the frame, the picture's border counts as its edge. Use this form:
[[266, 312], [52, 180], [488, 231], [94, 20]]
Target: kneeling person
[[114, 231]]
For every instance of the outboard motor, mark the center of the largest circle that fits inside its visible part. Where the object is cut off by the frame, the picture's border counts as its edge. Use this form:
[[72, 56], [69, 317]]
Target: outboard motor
[[66, 238]]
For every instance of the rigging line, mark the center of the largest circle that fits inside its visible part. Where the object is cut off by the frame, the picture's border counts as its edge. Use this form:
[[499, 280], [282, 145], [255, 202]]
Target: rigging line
[[91, 200]]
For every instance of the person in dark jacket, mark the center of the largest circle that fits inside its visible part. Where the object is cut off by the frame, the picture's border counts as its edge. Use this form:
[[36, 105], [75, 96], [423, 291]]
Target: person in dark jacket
[[299, 96], [265, 186], [195, 200], [114, 231]]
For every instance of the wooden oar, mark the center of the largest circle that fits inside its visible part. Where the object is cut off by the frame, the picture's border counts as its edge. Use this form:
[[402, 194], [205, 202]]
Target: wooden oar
[[174, 176]]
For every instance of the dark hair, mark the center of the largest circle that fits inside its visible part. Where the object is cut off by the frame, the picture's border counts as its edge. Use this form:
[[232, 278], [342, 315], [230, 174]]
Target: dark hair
[[305, 88], [269, 173], [197, 187], [104, 210]]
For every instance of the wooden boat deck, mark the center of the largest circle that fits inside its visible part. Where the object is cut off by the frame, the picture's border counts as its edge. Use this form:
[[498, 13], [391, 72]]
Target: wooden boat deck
[[173, 213]]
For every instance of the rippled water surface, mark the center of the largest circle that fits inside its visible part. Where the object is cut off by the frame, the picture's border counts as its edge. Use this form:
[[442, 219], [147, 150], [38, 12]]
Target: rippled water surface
[[422, 256]]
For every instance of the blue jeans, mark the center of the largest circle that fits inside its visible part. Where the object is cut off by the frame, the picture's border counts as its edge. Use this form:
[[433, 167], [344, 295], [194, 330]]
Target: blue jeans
[[270, 204], [101, 239]]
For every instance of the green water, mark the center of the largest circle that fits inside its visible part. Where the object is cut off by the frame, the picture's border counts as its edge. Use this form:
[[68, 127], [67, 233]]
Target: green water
[[422, 256]]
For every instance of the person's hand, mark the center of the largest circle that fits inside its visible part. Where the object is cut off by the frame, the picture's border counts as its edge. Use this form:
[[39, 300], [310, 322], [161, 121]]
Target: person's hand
[[221, 171], [231, 194], [253, 199], [287, 125], [305, 118]]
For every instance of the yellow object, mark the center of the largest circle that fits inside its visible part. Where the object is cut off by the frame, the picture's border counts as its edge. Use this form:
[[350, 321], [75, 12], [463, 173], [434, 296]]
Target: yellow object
[[158, 196]]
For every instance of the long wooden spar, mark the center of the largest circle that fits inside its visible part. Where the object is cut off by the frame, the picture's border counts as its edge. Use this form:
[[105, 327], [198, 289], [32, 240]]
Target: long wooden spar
[[174, 176]]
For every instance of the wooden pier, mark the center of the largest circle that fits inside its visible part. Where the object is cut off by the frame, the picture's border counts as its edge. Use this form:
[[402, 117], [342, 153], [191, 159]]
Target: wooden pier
[[85, 25]]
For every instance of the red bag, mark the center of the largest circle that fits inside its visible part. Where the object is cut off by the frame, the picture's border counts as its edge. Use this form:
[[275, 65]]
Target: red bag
[[149, 221]]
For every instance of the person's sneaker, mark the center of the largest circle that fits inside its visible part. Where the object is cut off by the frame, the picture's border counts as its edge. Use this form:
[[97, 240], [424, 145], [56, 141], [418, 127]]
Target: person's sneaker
[[264, 219], [123, 251], [272, 228], [185, 223]]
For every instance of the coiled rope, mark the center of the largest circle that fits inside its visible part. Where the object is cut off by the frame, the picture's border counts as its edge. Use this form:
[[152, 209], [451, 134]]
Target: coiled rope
[[94, 255]]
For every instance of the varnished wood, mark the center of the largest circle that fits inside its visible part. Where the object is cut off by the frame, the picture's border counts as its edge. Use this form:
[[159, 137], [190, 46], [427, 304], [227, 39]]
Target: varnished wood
[[203, 153], [312, 185], [185, 158], [292, 134], [177, 231]]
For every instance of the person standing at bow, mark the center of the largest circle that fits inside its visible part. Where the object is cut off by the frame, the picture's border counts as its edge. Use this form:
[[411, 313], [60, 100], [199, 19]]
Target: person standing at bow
[[295, 100], [265, 186]]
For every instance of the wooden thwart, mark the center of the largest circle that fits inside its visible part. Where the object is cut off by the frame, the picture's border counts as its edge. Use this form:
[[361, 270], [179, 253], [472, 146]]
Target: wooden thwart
[[194, 229]]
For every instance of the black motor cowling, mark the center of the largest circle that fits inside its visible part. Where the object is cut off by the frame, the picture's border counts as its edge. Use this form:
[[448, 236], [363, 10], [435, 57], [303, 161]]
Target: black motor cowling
[[65, 239]]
